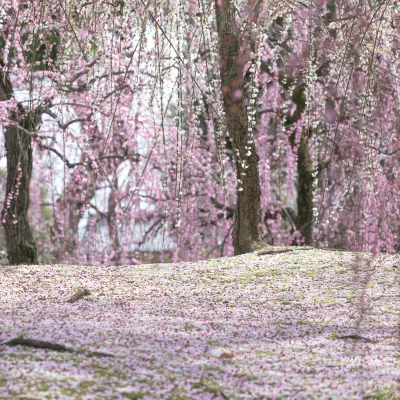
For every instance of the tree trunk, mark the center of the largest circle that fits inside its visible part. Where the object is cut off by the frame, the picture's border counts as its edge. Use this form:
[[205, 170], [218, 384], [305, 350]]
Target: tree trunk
[[21, 247], [304, 191], [246, 233], [305, 179], [112, 219], [70, 206]]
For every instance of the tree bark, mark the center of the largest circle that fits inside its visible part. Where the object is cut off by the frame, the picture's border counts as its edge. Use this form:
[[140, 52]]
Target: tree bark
[[21, 246], [304, 219], [304, 191], [70, 206], [112, 219], [246, 232]]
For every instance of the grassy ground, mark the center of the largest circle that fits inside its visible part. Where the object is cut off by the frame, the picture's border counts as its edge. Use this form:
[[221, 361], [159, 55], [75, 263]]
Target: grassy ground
[[298, 325]]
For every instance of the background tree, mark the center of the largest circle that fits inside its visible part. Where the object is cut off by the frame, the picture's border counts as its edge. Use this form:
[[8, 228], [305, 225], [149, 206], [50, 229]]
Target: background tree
[[21, 247]]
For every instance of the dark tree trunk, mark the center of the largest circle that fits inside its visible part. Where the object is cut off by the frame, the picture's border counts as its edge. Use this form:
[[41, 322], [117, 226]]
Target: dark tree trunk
[[71, 206], [304, 218], [21, 247], [304, 191], [246, 233], [112, 219]]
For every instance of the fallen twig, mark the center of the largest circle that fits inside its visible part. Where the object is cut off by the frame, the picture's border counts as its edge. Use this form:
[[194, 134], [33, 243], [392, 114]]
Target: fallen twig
[[41, 344], [273, 250], [79, 295], [282, 249], [356, 337], [38, 344]]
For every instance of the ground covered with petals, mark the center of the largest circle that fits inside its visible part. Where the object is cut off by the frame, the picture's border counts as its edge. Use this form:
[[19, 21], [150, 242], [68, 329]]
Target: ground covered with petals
[[299, 325]]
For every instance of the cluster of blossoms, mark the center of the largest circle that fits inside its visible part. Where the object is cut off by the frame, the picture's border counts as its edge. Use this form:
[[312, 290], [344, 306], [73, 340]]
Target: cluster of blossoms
[[133, 155]]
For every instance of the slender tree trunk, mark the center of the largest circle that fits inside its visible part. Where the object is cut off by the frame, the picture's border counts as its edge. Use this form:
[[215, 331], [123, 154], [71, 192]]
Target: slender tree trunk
[[112, 219], [246, 233], [304, 191], [305, 179], [70, 206], [21, 246]]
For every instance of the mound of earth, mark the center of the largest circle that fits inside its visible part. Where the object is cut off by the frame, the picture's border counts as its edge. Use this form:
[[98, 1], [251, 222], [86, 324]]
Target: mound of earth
[[296, 325]]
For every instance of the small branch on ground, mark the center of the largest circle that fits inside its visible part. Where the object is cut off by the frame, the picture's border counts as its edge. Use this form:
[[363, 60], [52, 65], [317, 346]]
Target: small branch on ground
[[274, 251], [99, 354], [281, 249], [38, 344], [79, 295], [41, 344], [355, 337]]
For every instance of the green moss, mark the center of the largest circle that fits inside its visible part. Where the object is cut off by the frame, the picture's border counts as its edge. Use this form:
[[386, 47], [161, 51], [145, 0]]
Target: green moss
[[211, 368], [264, 353], [212, 389], [43, 387], [381, 394], [261, 274], [189, 327], [213, 342], [18, 356], [341, 271], [86, 384]]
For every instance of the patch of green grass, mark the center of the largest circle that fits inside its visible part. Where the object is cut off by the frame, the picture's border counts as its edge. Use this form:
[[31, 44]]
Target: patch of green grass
[[135, 395], [264, 353], [304, 322], [211, 368], [212, 390], [178, 393], [341, 271], [18, 356], [261, 274], [207, 387], [213, 342], [43, 387], [189, 327], [382, 394], [86, 384]]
